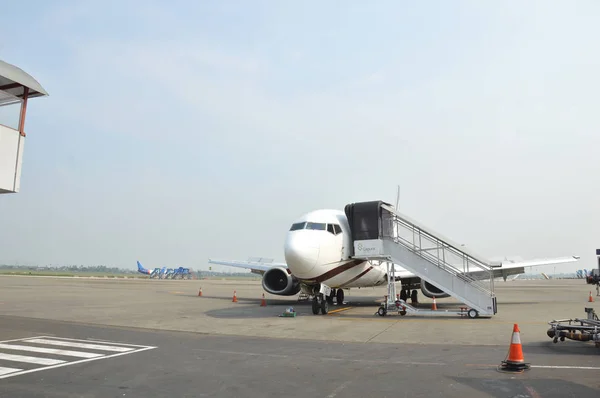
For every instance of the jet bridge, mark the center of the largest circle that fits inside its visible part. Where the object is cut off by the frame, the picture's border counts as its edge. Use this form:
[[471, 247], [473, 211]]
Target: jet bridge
[[380, 232]]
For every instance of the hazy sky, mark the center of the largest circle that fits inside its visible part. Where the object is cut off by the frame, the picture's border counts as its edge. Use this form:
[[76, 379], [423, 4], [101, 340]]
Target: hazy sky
[[178, 131]]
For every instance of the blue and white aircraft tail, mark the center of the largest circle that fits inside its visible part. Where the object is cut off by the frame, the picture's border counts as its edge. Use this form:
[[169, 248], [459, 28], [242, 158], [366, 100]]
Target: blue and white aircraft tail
[[143, 270]]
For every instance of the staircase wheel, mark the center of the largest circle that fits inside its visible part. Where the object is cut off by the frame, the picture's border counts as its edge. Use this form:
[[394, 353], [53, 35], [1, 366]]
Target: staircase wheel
[[472, 313]]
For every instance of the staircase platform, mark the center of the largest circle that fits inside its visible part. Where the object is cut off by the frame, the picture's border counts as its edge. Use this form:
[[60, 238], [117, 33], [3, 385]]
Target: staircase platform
[[380, 232]]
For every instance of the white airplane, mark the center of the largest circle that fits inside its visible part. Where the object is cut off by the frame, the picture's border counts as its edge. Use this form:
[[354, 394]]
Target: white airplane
[[317, 252]]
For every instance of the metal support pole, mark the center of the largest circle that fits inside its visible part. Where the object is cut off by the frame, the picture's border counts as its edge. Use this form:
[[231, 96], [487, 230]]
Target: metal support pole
[[391, 271], [23, 112]]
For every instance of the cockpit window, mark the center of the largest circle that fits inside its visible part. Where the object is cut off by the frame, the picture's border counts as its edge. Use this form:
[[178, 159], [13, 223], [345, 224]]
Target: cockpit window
[[337, 229], [297, 226], [316, 225], [334, 229]]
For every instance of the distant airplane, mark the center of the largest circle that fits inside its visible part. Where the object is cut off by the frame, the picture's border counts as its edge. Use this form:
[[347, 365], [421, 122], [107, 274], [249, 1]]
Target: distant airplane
[[143, 270], [165, 273], [317, 251]]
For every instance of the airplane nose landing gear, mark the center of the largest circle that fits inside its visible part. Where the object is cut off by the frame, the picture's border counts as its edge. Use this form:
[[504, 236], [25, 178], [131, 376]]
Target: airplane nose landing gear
[[320, 303], [320, 300]]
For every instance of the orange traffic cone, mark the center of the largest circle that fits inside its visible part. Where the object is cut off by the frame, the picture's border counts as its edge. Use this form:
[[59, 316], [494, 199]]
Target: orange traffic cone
[[263, 302], [434, 305], [514, 361], [200, 293], [234, 297], [590, 299]]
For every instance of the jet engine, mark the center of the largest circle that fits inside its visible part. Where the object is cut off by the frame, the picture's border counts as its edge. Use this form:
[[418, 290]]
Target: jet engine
[[279, 281], [432, 291]]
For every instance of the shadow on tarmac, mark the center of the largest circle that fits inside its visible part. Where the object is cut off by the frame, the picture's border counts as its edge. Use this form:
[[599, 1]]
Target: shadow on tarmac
[[567, 347], [513, 387], [250, 308]]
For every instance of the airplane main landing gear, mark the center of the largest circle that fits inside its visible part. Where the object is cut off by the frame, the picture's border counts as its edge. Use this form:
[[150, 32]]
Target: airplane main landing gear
[[339, 295], [330, 297], [406, 293]]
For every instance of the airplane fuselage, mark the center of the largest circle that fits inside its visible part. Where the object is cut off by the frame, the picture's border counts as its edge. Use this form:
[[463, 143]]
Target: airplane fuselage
[[317, 250]]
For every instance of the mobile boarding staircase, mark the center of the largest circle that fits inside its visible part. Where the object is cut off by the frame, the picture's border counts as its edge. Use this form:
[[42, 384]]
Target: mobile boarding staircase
[[380, 233]]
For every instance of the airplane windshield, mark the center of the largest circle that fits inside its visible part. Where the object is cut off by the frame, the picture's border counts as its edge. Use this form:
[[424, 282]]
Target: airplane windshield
[[316, 225], [297, 226]]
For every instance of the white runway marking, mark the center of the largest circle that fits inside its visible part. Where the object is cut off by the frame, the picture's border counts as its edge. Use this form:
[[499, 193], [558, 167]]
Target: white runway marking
[[80, 345], [103, 350], [27, 359], [80, 354], [88, 340], [4, 371], [566, 367]]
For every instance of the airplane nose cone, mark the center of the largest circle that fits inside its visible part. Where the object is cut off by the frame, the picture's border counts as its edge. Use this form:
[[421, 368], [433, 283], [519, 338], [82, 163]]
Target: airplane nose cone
[[301, 253]]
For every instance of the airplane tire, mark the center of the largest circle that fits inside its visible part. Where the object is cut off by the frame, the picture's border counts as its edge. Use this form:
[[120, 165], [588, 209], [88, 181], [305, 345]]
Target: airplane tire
[[340, 296], [324, 307], [315, 307], [414, 297]]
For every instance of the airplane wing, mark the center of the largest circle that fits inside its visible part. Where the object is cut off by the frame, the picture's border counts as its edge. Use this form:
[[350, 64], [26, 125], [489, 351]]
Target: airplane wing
[[260, 266], [506, 269], [518, 267], [542, 261]]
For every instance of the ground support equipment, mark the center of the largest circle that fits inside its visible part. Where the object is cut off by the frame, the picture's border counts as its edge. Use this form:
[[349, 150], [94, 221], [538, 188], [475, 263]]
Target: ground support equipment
[[576, 329]]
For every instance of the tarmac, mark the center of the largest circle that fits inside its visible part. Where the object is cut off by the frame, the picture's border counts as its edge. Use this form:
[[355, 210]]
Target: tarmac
[[168, 341]]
